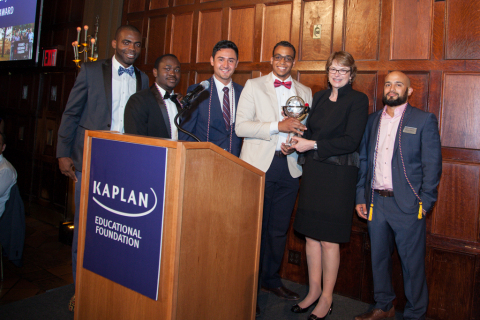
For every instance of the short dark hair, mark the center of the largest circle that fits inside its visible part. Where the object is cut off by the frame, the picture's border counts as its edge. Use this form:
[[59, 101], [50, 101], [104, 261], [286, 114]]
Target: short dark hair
[[159, 59], [4, 138], [224, 44], [345, 59], [284, 44], [128, 27]]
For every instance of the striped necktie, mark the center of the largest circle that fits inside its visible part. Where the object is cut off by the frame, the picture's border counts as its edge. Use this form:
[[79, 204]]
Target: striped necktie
[[226, 108]]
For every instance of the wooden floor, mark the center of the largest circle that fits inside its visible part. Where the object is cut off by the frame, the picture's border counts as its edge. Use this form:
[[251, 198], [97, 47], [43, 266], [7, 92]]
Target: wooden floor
[[47, 264]]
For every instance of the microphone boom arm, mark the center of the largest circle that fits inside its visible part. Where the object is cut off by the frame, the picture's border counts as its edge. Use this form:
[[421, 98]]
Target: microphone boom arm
[[175, 121]]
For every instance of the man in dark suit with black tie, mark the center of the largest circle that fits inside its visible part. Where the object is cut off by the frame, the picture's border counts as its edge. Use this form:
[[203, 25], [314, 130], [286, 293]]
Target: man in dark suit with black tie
[[400, 168], [212, 115], [151, 112], [97, 102]]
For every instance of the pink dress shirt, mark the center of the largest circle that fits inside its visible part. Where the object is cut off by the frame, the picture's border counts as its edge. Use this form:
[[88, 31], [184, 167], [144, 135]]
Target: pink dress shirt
[[386, 143]]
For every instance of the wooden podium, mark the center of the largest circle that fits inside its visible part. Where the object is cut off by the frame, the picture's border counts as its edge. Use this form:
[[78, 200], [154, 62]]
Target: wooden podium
[[211, 239]]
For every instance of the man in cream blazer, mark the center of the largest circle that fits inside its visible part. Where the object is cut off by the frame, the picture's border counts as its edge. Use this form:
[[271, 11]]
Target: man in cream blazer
[[265, 130]]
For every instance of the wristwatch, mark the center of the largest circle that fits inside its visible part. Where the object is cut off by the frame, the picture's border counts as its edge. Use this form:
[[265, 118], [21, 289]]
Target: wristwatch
[[315, 146]]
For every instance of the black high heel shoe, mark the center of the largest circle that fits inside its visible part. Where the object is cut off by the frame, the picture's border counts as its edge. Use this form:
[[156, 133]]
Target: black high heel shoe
[[297, 309], [314, 317]]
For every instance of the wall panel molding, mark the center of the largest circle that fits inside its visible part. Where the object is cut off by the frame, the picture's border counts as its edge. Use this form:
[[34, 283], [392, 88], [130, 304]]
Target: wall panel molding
[[277, 22], [462, 29], [242, 32], [456, 213], [460, 123], [316, 13], [209, 33], [411, 35], [362, 29], [181, 43]]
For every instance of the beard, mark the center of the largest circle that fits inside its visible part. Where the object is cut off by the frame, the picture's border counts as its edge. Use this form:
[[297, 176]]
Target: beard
[[397, 102]]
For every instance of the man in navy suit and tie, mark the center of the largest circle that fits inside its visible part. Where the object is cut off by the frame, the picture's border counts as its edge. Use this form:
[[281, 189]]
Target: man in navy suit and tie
[[97, 102], [212, 115], [400, 168]]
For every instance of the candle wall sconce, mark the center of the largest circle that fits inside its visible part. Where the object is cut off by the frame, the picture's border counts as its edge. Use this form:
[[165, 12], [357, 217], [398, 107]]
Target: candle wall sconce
[[88, 47]]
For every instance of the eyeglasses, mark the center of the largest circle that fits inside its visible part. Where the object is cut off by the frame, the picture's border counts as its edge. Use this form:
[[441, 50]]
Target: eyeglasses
[[279, 57], [341, 71]]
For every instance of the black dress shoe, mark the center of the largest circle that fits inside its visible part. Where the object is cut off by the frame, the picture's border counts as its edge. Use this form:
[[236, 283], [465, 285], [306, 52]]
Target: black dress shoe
[[314, 317], [282, 292], [257, 311], [297, 309]]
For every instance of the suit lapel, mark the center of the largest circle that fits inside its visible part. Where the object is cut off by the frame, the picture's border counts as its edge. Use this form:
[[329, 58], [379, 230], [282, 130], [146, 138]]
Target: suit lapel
[[162, 107], [216, 111], [107, 82], [300, 92], [237, 94], [373, 135], [406, 118], [272, 95], [138, 77]]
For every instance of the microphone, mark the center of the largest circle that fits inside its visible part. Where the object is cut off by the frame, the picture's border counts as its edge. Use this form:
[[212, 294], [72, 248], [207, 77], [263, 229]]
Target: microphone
[[186, 103], [192, 95]]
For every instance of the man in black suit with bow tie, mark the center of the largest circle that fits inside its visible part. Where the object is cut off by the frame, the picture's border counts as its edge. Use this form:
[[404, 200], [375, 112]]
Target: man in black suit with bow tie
[[151, 112], [97, 102]]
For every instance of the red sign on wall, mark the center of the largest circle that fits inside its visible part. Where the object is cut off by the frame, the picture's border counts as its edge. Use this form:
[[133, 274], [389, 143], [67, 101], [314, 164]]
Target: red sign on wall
[[50, 57]]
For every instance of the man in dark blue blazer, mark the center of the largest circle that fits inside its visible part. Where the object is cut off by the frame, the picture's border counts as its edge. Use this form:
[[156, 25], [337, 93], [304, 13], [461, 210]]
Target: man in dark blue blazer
[[97, 102], [212, 115], [400, 168]]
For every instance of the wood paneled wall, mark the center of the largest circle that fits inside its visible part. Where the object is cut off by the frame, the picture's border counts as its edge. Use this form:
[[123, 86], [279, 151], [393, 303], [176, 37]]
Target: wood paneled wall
[[436, 43]]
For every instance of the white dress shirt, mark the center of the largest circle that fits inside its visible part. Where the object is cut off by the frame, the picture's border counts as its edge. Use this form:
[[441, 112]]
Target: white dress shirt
[[231, 97], [283, 94], [8, 177], [122, 88], [172, 112]]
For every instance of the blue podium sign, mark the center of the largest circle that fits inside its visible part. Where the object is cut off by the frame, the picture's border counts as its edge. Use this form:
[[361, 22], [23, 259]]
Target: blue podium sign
[[126, 200]]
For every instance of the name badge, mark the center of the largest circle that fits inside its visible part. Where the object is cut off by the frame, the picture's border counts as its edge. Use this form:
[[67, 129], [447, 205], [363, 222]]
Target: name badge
[[410, 130]]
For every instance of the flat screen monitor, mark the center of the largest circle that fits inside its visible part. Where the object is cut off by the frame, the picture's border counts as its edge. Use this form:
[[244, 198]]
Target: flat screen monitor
[[20, 22]]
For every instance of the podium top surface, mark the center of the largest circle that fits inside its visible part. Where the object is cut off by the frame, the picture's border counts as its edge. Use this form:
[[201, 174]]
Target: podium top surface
[[169, 143]]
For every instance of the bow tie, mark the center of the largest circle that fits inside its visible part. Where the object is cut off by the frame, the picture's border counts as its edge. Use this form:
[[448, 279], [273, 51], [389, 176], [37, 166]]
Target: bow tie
[[128, 70], [172, 97], [278, 83]]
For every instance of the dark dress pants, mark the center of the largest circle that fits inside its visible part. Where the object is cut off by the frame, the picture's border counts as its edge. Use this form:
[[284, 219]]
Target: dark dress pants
[[78, 189], [280, 195], [390, 226]]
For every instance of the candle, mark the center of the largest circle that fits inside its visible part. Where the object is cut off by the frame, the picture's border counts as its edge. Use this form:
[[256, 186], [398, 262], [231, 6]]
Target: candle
[[76, 50], [86, 29], [78, 34], [93, 44]]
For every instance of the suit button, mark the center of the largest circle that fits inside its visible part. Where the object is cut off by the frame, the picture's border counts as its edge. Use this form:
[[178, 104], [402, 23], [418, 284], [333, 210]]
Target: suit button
[[108, 125]]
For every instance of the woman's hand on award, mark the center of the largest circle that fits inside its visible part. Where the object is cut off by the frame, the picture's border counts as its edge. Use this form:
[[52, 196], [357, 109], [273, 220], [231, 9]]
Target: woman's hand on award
[[301, 144]]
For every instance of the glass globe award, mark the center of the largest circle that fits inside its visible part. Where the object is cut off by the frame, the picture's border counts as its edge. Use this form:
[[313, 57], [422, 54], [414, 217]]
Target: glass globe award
[[295, 108]]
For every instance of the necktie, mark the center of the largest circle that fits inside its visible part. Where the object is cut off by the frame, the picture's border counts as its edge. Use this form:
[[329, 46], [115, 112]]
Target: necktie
[[278, 83], [226, 108], [128, 70]]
